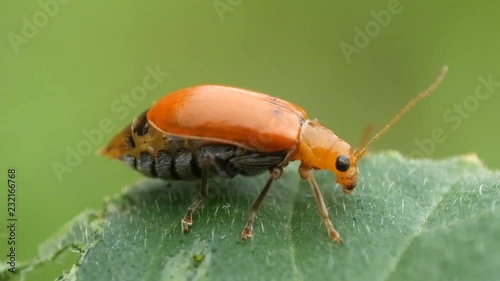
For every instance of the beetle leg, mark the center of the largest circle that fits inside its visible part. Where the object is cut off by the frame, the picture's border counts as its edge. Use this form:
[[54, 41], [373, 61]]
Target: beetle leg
[[247, 232], [323, 211], [187, 221]]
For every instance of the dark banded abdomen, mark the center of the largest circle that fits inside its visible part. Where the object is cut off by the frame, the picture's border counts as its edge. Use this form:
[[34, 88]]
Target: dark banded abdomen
[[224, 161]]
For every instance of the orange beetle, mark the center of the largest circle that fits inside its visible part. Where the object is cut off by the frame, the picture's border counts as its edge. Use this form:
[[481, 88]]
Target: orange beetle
[[210, 130]]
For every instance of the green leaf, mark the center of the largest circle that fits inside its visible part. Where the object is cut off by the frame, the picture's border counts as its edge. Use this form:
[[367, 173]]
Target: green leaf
[[78, 235], [407, 220]]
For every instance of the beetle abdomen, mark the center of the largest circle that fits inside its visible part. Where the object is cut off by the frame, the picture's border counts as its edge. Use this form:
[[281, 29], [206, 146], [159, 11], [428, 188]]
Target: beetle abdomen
[[164, 165], [156, 154], [223, 161]]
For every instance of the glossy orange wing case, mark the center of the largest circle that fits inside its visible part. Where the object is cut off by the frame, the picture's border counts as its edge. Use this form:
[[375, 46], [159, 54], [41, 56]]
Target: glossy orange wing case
[[229, 115]]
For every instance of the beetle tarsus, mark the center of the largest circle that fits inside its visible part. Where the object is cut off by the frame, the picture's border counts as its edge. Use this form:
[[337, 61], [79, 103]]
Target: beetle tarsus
[[334, 235], [187, 221], [247, 232]]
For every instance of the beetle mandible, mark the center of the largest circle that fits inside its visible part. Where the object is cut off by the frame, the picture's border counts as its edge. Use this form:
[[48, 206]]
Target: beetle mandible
[[211, 130]]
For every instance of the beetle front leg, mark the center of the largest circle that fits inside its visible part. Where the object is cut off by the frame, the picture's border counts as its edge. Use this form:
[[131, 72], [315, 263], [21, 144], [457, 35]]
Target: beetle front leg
[[248, 230], [323, 211], [187, 221]]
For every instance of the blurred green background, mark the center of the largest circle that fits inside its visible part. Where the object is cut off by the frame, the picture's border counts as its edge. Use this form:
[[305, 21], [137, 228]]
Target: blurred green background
[[68, 65]]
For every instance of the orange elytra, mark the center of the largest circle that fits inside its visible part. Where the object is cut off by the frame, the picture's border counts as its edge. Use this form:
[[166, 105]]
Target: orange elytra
[[211, 130]]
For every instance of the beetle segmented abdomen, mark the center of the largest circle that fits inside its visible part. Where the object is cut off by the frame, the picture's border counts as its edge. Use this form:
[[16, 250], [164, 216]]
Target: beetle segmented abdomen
[[184, 167], [183, 164], [146, 164], [164, 165]]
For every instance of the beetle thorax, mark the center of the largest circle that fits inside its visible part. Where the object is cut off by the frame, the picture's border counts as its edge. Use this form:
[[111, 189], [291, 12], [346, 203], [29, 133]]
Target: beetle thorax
[[315, 146], [319, 148]]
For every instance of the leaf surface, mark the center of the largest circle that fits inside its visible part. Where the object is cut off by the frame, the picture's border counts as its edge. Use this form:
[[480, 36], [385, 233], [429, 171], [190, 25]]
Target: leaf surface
[[407, 220]]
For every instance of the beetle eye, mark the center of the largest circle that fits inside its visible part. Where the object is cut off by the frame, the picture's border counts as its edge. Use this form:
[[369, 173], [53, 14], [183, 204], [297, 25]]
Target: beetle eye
[[342, 163]]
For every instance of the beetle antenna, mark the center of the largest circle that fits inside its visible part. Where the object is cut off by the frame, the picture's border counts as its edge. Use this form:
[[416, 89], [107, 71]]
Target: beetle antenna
[[360, 152], [368, 131]]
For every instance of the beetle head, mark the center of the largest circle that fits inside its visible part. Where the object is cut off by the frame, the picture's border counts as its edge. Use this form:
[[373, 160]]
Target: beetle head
[[345, 167], [320, 148]]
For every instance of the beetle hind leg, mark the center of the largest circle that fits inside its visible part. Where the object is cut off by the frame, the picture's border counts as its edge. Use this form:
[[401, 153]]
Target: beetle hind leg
[[187, 221], [247, 232]]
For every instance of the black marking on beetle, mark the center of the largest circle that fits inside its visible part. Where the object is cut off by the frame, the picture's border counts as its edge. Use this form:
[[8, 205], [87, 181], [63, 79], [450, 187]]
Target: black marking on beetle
[[141, 125], [195, 166], [277, 111], [164, 165], [173, 171], [255, 163], [146, 164], [129, 141], [182, 165], [220, 155]]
